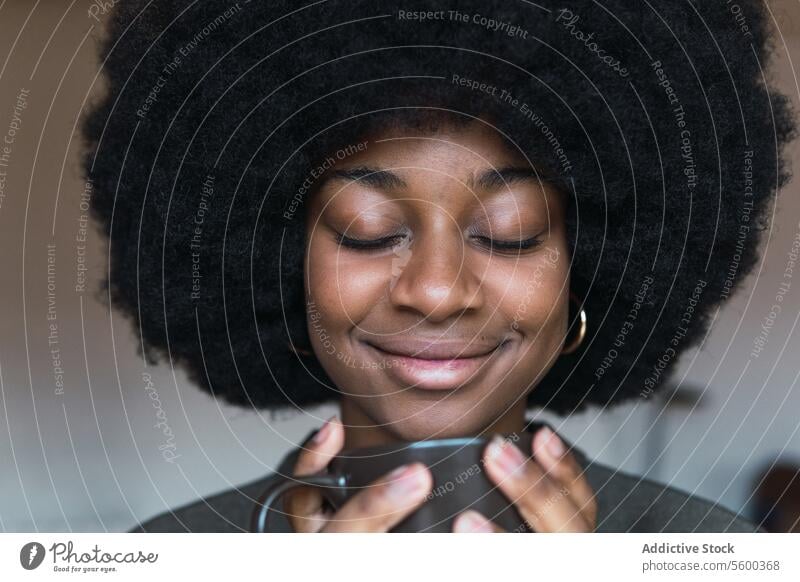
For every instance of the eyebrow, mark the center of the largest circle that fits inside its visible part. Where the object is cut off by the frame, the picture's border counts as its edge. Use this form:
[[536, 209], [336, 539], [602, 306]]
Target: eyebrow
[[491, 179], [496, 178], [373, 177]]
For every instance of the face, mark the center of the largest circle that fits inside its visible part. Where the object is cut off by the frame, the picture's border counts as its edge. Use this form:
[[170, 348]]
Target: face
[[437, 279]]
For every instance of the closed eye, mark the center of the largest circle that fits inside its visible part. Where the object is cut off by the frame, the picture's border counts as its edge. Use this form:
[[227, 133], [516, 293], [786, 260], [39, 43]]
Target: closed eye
[[508, 245], [369, 244], [494, 245]]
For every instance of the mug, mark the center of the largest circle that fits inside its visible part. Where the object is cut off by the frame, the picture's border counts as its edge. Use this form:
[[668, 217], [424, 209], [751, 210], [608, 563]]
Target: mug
[[459, 482]]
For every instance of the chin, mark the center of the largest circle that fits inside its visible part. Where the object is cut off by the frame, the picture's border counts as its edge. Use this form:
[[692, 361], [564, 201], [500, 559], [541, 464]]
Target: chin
[[424, 419]]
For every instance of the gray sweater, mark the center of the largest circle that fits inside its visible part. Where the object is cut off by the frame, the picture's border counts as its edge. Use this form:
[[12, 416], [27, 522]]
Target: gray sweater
[[626, 503]]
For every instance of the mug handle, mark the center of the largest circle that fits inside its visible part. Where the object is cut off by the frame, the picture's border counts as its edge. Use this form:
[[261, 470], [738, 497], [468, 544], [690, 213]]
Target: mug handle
[[333, 489]]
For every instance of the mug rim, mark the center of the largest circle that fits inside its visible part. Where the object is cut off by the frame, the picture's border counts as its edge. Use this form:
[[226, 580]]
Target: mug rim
[[449, 442]]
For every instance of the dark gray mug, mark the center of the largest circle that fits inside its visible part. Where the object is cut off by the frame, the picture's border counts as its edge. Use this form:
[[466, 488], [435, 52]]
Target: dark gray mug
[[459, 482]]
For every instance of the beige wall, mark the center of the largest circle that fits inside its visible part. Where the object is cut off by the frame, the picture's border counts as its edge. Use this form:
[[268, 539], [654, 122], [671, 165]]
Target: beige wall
[[89, 458]]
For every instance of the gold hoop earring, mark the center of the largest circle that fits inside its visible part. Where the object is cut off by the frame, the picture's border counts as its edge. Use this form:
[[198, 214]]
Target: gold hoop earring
[[578, 340], [298, 351]]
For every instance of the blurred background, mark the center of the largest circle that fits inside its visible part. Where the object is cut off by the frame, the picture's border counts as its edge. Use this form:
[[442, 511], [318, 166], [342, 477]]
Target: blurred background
[[83, 446]]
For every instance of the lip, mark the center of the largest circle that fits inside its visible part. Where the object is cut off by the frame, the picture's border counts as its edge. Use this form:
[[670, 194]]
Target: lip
[[434, 348], [428, 365]]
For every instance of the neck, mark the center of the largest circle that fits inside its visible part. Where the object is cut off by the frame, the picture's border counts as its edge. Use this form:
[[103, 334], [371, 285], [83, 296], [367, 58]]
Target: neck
[[362, 431]]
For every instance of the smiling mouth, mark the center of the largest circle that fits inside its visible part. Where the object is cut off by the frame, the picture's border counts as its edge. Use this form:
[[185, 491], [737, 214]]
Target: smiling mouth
[[437, 366]]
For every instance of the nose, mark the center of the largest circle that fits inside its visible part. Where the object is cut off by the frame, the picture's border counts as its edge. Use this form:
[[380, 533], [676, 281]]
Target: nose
[[434, 277]]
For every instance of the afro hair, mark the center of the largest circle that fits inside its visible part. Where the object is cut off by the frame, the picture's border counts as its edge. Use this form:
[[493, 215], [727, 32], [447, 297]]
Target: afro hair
[[658, 118]]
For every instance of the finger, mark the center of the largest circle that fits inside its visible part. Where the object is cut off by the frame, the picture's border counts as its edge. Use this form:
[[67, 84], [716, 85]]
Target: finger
[[542, 501], [471, 521], [554, 457], [322, 447], [385, 502], [303, 506]]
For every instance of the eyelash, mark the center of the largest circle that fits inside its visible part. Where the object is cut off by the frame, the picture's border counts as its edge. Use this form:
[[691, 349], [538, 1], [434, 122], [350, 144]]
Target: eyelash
[[367, 245], [384, 242], [511, 245]]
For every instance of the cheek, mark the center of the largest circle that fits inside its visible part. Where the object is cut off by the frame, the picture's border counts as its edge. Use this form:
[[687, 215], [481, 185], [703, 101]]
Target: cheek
[[532, 293], [343, 287]]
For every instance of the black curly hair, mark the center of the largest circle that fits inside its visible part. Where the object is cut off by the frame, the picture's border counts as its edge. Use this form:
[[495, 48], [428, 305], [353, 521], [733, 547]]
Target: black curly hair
[[658, 118]]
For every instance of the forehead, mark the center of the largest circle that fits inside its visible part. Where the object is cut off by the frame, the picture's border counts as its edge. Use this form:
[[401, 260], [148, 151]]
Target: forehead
[[453, 167], [455, 151]]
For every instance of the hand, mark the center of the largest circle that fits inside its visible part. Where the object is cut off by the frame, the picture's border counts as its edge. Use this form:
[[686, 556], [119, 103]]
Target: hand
[[549, 491], [376, 508]]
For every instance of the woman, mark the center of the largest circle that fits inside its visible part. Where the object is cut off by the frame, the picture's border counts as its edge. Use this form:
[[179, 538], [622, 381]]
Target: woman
[[437, 216]]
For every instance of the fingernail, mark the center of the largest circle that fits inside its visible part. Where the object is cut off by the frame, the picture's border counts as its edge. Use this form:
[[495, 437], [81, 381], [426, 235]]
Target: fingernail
[[472, 522], [555, 446], [403, 481], [505, 454], [324, 432]]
